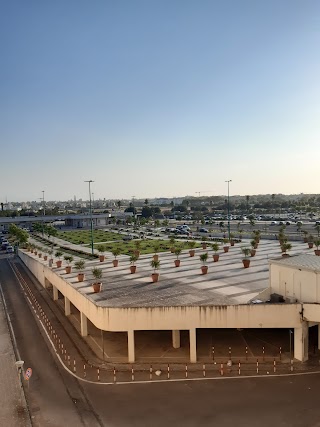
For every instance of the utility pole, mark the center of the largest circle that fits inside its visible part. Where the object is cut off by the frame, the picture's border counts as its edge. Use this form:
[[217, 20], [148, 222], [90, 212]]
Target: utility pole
[[91, 222], [228, 181]]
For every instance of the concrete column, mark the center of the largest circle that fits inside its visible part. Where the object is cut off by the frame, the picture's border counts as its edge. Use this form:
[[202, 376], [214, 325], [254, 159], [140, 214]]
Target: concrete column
[[55, 293], [67, 309], [193, 345], [301, 339], [176, 339], [131, 352], [84, 325]]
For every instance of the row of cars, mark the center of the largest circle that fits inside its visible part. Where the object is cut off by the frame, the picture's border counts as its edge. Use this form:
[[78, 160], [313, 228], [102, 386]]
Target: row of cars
[[5, 245]]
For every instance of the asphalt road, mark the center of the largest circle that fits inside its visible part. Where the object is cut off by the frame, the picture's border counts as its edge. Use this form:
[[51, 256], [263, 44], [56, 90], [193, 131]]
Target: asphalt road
[[57, 399]]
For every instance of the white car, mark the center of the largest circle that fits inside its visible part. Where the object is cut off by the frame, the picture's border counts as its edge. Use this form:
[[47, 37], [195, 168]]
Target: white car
[[274, 223]]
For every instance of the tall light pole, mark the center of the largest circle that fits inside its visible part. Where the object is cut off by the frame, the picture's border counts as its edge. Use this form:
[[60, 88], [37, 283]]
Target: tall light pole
[[43, 212], [90, 207], [228, 181]]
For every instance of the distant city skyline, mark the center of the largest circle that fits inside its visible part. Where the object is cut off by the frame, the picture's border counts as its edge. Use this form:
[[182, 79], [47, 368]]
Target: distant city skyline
[[158, 99]]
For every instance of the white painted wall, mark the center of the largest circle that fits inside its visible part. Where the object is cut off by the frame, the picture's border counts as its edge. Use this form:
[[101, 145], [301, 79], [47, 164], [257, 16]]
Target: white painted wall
[[292, 282]]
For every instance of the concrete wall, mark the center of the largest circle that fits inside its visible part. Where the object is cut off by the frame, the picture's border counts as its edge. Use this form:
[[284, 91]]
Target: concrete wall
[[295, 283], [168, 318]]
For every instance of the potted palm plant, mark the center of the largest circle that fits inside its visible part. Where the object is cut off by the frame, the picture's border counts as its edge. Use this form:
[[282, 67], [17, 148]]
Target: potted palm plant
[[79, 266], [45, 253], [191, 245], [286, 247], [215, 247], [232, 239], [156, 248], [40, 252], [97, 274], [50, 252], [58, 255], [246, 260], [240, 233], [204, 242], [317, 244], [310, 241], [68, 259], [101, 249], [203, 259], [133, 260], [116, 252], [225, 245], [155, 265], [177, 253], [257, 235], [305, 239], [253, 244]]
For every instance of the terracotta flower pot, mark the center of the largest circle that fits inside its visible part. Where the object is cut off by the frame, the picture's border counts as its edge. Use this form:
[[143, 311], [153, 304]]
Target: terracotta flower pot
[[35, 252], [156, 257], [204, 269], [39, 254], [226, 248], [177, 262], [45, 257], [232, 242], [96, 287], [310, 244], [155, 277], [246, 263], [80, 277], [204, 245], [192, 252], [317, 252], [133, 269], [59, 263], [215, 257], [68, 269], [285, 255], [101, 258], [115, 262], [252, 252]]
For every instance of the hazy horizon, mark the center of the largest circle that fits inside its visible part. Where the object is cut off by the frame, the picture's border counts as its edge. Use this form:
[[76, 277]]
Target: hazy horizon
[[162, 97]]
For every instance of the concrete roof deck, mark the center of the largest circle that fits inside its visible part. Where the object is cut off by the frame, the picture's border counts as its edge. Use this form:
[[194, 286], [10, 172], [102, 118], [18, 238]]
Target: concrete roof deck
[[302, 261], [227, 282]]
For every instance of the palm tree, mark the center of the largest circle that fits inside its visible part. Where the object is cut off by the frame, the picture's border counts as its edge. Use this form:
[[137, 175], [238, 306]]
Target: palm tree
[[79, 266], [115, 253], [215, 247], [97, 274], [203, 259], [155, 265], [191, 245], [177, 253], [247, 199], [133, 260]]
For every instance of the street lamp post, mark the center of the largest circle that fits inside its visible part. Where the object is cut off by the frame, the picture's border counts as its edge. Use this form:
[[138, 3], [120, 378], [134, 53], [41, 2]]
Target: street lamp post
[[90, 207], [43, 212], [228, 181]]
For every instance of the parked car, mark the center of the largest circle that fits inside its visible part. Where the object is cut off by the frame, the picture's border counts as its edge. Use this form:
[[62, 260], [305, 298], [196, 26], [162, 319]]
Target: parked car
[[127, 237], [9, 249], [274, 223], [203, 230]]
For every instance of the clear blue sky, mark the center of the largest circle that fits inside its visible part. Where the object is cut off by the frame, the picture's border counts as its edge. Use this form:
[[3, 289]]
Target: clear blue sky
[[159, 97]]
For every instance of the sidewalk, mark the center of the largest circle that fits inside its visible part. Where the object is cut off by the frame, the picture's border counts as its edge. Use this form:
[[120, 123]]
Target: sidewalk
[[13, 410]]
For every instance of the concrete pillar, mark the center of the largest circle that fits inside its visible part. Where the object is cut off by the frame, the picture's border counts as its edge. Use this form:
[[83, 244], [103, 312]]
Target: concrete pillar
[[131, 352], [193, 345], [84, 325], [176, 339], [301, 342], [55, 293], [67, 309]]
